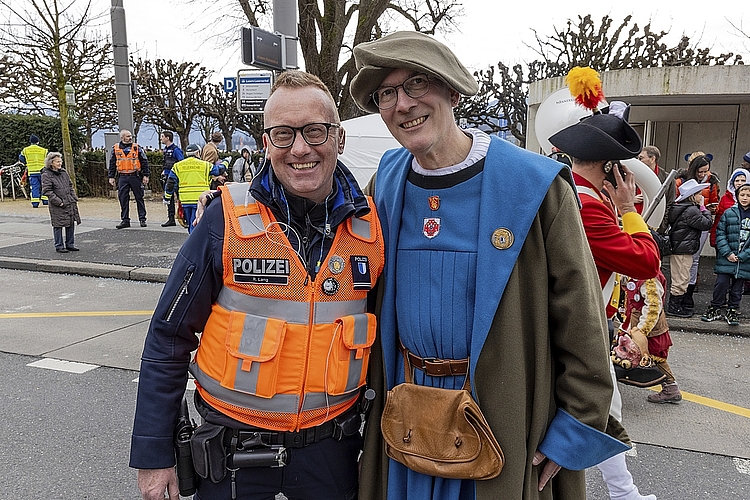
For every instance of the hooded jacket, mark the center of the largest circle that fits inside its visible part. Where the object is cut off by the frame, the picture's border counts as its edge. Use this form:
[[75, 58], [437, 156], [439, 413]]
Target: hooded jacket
[[727, 200], [688, 221], [728, 242]]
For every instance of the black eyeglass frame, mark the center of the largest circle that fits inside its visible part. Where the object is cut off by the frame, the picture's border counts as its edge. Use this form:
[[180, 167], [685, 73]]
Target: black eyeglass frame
[[376, 99], [301, 130]]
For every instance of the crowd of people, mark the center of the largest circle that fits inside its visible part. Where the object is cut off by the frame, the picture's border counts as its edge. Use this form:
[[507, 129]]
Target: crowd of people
[[302, 304]]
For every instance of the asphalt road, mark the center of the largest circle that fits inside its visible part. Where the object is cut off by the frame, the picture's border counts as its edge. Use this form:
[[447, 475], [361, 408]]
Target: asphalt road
[[67, 434]]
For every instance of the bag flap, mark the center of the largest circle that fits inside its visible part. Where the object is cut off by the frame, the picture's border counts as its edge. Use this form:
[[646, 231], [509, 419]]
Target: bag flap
[[431, 423]]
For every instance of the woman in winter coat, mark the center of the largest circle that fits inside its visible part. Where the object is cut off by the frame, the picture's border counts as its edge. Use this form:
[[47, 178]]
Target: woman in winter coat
[[688, 219], [739, 177], [63, 202], [699, 169]]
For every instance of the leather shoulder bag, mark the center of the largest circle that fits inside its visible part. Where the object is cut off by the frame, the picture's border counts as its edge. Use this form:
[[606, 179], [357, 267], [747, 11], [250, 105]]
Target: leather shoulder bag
[[439, 432]]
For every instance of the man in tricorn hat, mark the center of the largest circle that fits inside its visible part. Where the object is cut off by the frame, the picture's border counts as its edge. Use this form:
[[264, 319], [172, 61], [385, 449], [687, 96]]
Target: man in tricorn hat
[[484, 271], [595, 145]]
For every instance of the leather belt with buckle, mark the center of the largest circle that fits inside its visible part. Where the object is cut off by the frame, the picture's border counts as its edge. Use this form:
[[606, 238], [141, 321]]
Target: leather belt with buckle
[[437, 367]]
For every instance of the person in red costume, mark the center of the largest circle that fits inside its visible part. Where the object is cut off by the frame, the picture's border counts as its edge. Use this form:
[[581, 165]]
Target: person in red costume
[[607, 189]]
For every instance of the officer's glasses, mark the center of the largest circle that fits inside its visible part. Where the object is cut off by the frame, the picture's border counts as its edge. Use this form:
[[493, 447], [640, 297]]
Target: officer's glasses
[[314, 134], [414, 87]]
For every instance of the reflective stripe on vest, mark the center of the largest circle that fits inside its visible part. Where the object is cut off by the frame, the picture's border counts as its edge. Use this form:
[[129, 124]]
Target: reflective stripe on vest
[[127, 163], [277, 351], [34, 156]]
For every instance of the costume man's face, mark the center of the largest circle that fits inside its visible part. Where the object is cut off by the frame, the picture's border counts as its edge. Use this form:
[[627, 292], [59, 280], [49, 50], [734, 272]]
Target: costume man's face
[[649, 161], [303, 170], [419, 124]]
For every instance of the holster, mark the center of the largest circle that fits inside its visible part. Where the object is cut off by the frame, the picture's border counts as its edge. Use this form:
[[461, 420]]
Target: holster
[[209, 458]]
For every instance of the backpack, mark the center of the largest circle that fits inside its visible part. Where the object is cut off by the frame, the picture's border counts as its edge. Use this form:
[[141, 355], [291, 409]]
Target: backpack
[[663, 241]]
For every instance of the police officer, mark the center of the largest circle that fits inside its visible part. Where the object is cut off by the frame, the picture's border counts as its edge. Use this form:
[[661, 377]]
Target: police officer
[[33, 157], [128, 161], [172, 154], [276, 277]]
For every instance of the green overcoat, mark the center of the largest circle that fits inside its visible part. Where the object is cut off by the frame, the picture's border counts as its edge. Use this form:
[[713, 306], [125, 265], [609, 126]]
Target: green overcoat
[[547, 348]]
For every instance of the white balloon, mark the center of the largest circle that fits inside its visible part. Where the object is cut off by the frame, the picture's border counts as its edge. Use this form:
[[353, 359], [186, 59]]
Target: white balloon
[[649, 184], [558, 111]]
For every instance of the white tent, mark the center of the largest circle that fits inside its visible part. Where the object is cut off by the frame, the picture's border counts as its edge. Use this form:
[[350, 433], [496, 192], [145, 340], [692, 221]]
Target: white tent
[[367, 138]]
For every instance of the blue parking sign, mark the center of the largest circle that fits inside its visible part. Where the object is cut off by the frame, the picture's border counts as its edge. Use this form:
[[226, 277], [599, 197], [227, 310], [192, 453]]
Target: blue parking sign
[[230, 84]]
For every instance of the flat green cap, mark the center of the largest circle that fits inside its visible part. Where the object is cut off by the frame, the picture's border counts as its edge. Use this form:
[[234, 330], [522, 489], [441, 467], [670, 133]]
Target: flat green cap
[[405, 50]]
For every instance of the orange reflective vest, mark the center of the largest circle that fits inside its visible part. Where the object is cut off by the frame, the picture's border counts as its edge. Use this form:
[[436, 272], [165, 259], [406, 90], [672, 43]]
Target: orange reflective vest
[[127, 163], [281, 351]]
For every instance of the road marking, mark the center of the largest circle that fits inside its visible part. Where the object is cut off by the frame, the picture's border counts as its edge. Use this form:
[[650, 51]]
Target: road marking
[[61, 365], [742, 465], [76, 314], [190, 383], [713, 403]]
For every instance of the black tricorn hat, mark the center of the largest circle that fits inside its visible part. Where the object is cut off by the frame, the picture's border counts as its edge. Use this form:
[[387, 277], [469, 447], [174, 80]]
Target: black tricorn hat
[[599, 137]]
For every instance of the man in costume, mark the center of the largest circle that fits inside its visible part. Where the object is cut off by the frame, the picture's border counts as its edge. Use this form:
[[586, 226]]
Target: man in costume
[[486, 269], [595, 144], [276, 277]]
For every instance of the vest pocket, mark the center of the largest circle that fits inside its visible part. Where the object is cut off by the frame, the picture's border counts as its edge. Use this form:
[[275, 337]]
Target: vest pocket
[[346, 368], [252, 346]]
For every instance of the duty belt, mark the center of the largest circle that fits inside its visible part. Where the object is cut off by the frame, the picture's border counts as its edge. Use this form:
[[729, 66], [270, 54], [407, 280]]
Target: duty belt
[[436, 367], [336, 428]]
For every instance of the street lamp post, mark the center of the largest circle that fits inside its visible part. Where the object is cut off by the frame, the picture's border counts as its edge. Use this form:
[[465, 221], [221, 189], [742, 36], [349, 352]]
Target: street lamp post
[[68, 103]]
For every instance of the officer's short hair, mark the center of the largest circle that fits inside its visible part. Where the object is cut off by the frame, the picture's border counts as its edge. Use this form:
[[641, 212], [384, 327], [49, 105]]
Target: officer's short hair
[[168, 134]]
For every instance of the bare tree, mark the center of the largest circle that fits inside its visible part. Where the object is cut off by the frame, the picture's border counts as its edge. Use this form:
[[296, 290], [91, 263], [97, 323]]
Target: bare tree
[[46, 45], [580, 43], [328, 31], [222, 108], [170, 95]]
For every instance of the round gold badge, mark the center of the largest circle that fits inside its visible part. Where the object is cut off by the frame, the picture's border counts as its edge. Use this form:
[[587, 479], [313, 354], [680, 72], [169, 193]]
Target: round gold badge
[[336, 264], [502, 238]]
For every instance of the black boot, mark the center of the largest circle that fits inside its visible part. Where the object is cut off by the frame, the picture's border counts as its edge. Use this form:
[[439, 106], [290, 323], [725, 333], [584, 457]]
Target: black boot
[[674, 308], [688, 306], [170, 222]]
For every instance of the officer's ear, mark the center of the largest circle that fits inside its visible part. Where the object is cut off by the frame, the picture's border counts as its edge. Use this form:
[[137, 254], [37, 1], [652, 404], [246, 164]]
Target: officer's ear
[[341, 139]]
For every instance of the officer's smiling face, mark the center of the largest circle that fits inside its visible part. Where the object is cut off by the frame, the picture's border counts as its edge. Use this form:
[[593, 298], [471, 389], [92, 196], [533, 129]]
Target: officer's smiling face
[[303, 170]]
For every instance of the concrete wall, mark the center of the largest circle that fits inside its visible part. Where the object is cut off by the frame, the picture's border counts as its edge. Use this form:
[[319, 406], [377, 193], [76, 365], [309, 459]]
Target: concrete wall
[[679, 109]]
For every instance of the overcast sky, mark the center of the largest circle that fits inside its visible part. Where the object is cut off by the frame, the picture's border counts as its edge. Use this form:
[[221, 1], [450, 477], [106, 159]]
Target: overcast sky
[[490, 30]]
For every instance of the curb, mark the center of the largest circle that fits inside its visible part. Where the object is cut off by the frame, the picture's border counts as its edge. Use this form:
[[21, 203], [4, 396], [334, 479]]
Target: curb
[[149, 274], [695, 324]]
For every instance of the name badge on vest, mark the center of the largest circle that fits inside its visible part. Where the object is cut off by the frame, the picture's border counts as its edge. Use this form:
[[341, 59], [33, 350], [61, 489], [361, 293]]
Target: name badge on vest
[[360, 272], [261, 271]]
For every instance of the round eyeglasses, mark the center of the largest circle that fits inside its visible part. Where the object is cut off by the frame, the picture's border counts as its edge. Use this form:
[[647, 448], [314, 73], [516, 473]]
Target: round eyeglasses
[[314, 134], [414, 87]]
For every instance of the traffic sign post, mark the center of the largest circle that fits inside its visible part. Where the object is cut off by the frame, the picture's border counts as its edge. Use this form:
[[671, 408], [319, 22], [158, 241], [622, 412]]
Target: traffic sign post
[[254, 88]]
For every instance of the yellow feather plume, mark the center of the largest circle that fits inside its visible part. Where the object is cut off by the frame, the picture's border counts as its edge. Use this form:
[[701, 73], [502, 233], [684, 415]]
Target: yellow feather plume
[[586, 86]]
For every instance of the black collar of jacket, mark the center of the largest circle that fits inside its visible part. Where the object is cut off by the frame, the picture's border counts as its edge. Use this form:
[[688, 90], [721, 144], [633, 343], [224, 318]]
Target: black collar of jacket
[[346, 199]]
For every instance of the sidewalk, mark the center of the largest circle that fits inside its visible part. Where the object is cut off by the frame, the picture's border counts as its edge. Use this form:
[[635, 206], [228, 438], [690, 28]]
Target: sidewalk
[[146, 254], [135, 253]]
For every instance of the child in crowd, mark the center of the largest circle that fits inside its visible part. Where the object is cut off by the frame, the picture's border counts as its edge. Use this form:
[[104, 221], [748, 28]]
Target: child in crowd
[[688, 218], [739, 177], [646, 343], [732, 258]]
